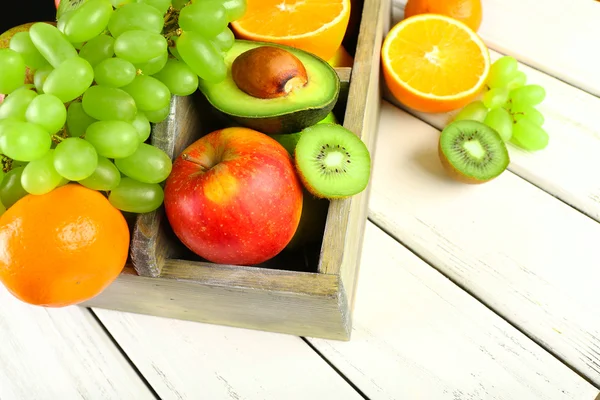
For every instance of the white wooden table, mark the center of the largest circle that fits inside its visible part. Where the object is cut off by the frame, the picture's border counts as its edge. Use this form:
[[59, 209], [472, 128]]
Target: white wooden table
[[465, 292]]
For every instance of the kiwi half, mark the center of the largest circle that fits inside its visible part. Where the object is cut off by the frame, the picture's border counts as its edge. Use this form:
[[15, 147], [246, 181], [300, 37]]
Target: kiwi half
[[472, 152], [332, 161]]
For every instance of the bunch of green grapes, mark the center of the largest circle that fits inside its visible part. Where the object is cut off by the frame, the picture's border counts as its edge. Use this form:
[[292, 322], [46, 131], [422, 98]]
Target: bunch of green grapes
[[510, 106], [101, 77]]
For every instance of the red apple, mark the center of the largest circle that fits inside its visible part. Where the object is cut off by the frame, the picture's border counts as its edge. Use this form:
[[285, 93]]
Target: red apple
[[233, 197], [56, 3]]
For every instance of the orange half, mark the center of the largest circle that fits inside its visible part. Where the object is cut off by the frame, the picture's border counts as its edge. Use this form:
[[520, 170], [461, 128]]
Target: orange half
[[434, 63]]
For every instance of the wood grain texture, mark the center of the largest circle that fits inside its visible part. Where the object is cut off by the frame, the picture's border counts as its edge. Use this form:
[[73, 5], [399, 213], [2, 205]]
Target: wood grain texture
[[530, 257], [416, 335], [49, 354], [184, 360]]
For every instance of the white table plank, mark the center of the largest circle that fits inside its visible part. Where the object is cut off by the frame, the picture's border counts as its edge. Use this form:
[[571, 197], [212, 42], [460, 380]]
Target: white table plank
[[416, 335], [183, 359], [530, 257], [49, 354]]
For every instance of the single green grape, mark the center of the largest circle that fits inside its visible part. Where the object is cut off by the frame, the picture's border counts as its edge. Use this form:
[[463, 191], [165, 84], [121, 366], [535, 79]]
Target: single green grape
[[135, 16], [77, 119], [173, 49], [142, 126], [113, 139], [475, 111], [136, 197], [517, 80], [495, 97], [179, 4], [40, 76], [206, 18], [202, 57], [22, 44], [106, 103], [499, 119], [75, 159], [48, 111], [97, 49], [87, 21], [529, 112], [121, 3], [159, 115], [235, 9], [15, 104], [70, 79], [140, 46], [106, 176], [13, 70], [24, 141], [40, 176], [501, 71], [11, 189], [178, 77], [161, 5], [2, 208], [51, 43], [529, 136], [224, 41], [528, 95], [114, 72], [2, 174], [148, 164], [153, 66], [149, 93]]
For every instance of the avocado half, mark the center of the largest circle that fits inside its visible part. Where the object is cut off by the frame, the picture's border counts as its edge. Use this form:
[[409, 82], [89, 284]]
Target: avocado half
[[297, 110]]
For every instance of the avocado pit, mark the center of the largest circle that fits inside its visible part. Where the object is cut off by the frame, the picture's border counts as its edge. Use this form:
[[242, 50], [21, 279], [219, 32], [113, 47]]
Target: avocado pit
[[268, 72]]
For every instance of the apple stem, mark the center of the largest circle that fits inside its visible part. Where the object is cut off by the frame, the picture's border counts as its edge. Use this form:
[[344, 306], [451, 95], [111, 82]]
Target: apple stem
[[186, 157]]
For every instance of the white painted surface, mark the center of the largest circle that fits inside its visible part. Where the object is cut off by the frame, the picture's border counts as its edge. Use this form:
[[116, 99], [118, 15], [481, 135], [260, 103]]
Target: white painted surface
[[50, 354], [530, 257]]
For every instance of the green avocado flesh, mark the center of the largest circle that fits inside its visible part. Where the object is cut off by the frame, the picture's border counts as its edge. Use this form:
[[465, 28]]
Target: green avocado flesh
[[288, 114]]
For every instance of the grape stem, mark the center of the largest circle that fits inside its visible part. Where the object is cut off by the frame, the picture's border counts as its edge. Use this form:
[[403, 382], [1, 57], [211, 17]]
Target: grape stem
[[171, 25], [6, 163]]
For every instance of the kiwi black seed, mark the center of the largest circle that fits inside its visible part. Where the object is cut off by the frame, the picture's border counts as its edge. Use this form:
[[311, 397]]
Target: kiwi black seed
[[472, 152], [332, 161]]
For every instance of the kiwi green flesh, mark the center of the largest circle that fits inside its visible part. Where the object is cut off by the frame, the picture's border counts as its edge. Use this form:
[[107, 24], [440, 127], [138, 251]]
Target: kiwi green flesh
[[332, 161], [474, 150]]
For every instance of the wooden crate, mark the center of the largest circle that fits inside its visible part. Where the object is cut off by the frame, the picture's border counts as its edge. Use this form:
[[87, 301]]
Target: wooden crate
[[309, 292]]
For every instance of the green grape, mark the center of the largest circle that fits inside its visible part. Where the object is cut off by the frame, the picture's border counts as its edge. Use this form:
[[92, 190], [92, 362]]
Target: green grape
[[206, 18], [148, 164], [51, 43], [1, 175], [528, 135], [75, 159], [140, 46], [475, 111], [15, 104], [499, 119], [224, 40], [518, 79], [142, 126], [495, 97], [153, 66], [528, 112], [178, 78], [501, 71], [528, 95], [99, 48], [11, 189], [135, 16], [113, 139], [40, 176], [70, 79], [13, 70], [39, 77], [156, 116], [106, 103], [77, 119], [179, 4], [235, 9], [47, 111], [22, 44], [173, 49], [24, 141], [114, 72], [161, 5], [2, 208], [87, 21], [120, 3], [106, 176], [148, 92], [136, 197], [202, 57]]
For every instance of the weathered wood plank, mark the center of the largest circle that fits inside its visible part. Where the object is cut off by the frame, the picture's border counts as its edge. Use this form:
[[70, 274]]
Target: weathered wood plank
[[49, 354], [530, 257]]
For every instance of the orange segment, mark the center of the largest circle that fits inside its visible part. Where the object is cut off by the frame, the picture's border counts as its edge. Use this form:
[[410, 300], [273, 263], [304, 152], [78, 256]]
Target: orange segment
[[434, 63], [316, 26]]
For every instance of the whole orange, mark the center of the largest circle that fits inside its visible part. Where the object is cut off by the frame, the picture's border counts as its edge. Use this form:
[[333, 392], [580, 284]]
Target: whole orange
[[63, 247], [467, 11]]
